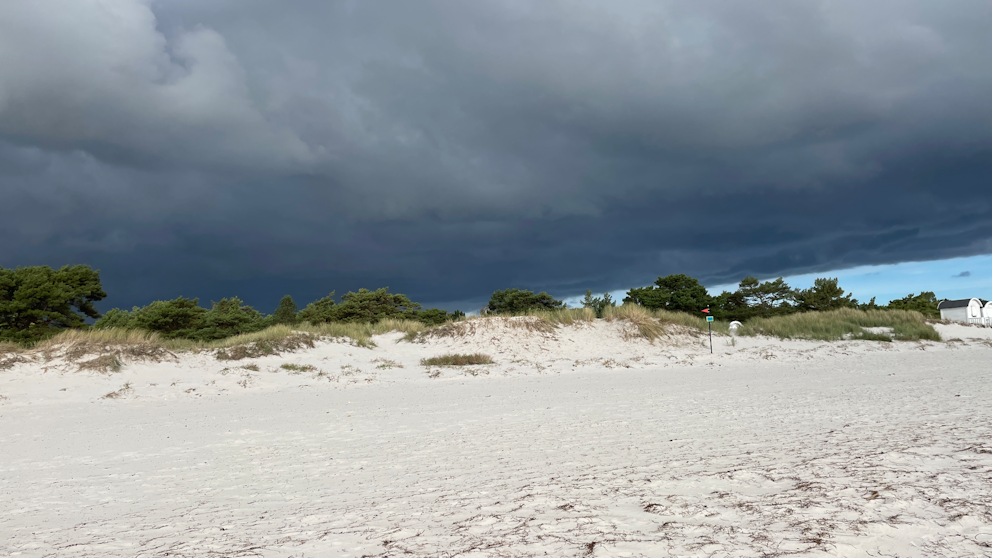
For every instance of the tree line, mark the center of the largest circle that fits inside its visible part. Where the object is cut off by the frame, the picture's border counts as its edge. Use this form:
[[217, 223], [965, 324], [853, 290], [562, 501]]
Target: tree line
[[751, 299], [37, 302], [756, 299]]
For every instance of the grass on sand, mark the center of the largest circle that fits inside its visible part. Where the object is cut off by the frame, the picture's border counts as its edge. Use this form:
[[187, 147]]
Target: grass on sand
[[140, 344], [121, 344], [457, 360], [844, 324], [650, 324]]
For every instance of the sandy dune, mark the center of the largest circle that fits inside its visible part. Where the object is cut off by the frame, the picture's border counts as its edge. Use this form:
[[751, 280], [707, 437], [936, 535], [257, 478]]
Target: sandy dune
[[577, 442]]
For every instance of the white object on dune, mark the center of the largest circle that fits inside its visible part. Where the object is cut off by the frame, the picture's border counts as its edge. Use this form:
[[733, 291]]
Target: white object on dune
[[965, 310], [733, 327]]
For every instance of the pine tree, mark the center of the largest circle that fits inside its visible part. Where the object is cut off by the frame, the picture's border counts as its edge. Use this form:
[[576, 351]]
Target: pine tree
[[286, 312], [37, 302]]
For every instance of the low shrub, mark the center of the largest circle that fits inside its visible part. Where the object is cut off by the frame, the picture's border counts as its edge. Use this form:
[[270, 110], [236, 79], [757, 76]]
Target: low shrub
[[457, 360], [516, 301]]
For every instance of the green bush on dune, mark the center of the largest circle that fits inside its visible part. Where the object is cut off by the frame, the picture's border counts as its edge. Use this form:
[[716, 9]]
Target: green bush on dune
[[517, 301]]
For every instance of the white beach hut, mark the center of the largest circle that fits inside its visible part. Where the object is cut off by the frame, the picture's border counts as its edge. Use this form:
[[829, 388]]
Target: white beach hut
[[987, 314], [965, 310]]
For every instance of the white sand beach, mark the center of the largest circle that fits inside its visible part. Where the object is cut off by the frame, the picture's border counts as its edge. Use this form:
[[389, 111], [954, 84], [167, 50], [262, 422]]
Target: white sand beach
[[579, 442]]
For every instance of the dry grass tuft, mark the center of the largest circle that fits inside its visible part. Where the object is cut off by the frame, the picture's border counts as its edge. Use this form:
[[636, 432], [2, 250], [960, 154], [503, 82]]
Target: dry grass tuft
[[541, 322], [457, 360], [385, 364], [298, 367], [8, 362], [125, 390], [534, 324], [648, 324], [459, 328], [270, 341], [104, 364]]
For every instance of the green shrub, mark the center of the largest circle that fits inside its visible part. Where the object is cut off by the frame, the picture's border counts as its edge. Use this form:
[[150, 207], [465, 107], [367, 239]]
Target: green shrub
[[516, 301], [675, 293], [228, 318], [115, 318], [365, 306], [431, 316], [372, 306], [178, 318], [925, 303], [319, 311]]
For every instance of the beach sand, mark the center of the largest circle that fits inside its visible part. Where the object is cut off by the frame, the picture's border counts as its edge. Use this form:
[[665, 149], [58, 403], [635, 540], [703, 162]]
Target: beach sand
[[583, 441]]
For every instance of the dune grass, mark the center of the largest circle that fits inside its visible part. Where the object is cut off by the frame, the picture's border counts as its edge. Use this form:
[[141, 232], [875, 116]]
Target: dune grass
[[279, 338], [139, 344], [647, 325], [539, 322], [361, 333], [564, 316], [297, 367], [457, 360], [843, 324], [650, 324], [76, 343], [692, 321], [104, 363]]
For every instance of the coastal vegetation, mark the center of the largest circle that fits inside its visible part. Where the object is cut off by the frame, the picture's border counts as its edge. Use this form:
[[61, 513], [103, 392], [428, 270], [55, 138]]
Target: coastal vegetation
[[43, 307], [457, 360]]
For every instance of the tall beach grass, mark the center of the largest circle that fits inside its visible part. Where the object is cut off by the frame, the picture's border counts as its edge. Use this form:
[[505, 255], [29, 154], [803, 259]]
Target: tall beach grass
[[845, 323]]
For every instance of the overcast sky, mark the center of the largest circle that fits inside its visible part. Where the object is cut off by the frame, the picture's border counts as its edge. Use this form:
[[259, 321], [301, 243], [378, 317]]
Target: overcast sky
[[446, 149]]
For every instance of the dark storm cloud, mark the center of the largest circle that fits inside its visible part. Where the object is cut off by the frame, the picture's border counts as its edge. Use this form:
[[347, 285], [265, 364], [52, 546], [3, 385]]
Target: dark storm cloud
[[448, 149]]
